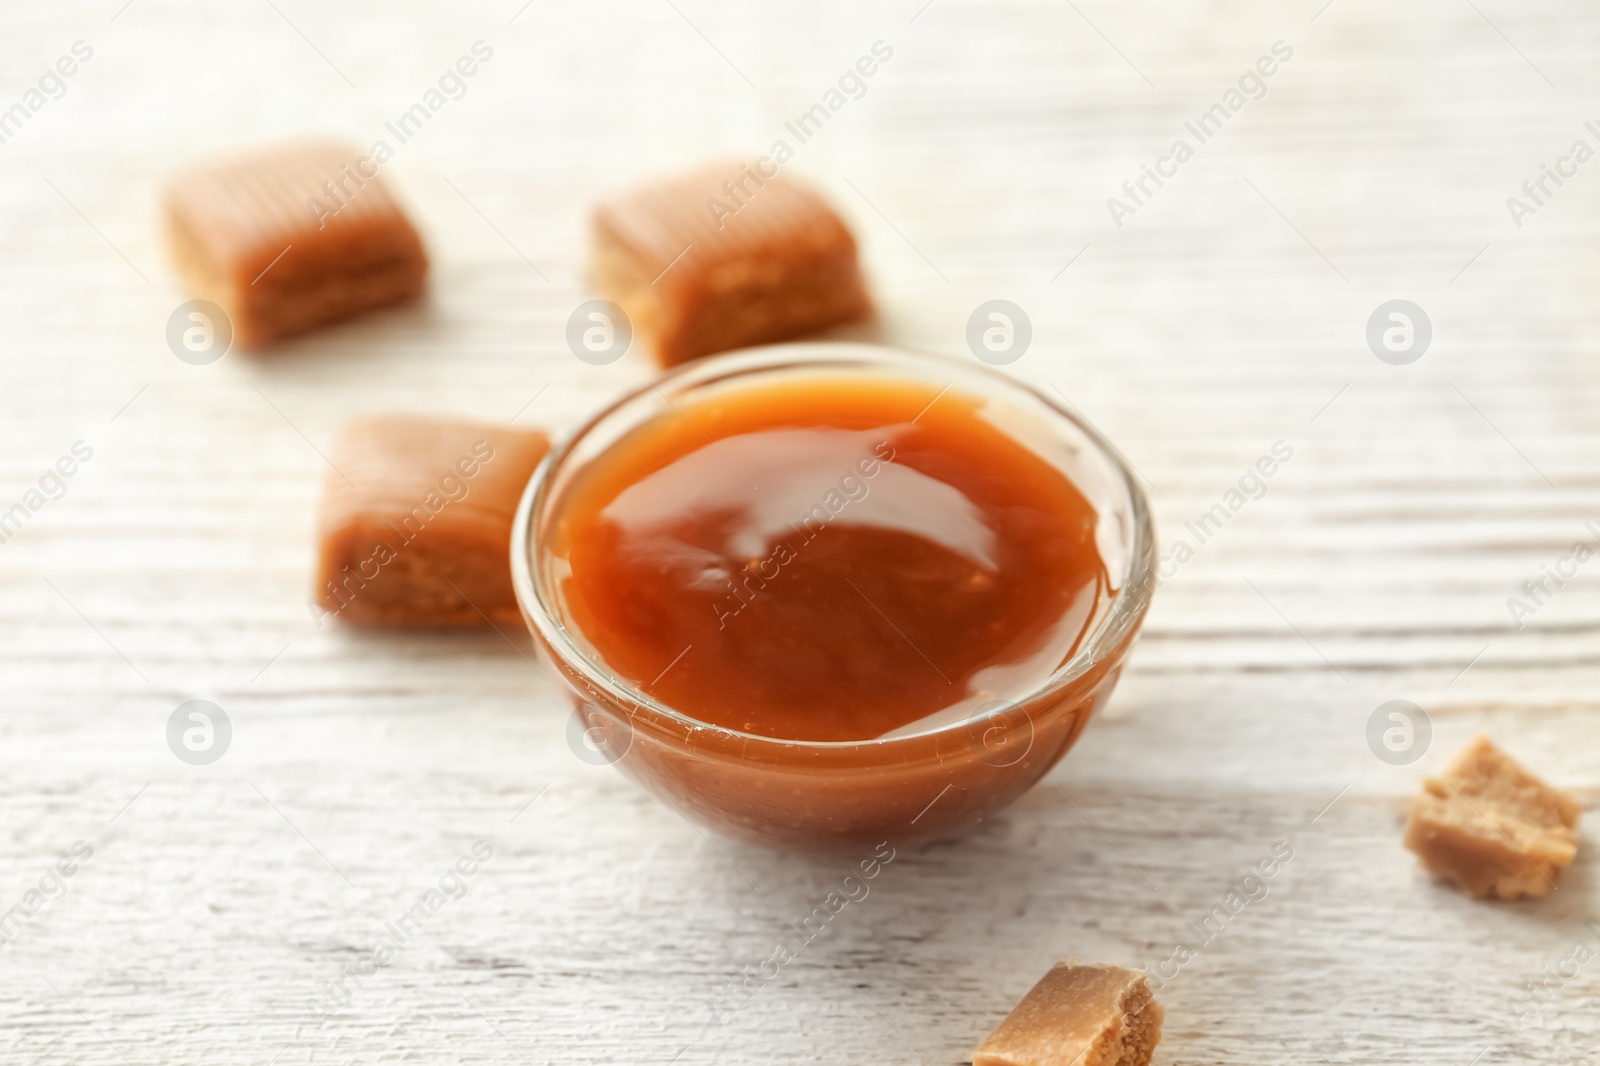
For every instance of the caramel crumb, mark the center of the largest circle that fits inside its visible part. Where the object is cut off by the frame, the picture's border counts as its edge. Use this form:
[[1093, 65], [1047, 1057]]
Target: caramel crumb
[[1078, 1015], [1491, 827]]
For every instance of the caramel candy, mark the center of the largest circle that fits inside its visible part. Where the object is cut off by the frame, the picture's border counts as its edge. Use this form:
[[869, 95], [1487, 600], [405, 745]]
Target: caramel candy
[[292, 238], [1492, 827], [1078, 1015], [420, 533], [726, 257]]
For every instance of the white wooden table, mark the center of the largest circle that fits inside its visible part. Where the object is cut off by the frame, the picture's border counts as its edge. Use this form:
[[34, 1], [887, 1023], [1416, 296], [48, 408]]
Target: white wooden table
[[1227, 313]]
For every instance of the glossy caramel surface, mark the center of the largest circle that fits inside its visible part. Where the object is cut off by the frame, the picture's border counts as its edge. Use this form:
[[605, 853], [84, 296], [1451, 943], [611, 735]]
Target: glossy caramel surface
[[827, 560]]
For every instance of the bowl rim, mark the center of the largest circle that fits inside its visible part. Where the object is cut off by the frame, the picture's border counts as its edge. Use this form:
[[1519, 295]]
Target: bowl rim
[[1126, 608]]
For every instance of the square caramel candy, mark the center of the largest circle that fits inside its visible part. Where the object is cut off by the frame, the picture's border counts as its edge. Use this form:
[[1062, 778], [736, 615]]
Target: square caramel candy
[[292, 238], [420, 533], [726, 257], [1492, 827], [1078, 1015]]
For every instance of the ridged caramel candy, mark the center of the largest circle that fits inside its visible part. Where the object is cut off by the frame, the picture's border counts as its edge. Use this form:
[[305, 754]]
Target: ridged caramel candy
[[1492, 827], [415, 526], [1078, 1015], [292, 238], [725, 257]]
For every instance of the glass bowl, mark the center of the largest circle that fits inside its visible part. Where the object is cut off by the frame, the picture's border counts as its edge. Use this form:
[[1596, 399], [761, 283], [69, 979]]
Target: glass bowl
[[825, 795]]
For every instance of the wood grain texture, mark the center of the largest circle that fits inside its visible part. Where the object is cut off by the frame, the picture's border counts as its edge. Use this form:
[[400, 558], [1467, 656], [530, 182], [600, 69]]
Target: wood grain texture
[[1227, 314]]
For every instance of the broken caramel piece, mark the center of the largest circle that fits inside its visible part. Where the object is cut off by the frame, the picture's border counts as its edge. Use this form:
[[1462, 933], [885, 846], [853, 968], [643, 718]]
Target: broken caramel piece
[[415, 528], [1078, 1015], [1492, 827], [292, 238], [726, 257]]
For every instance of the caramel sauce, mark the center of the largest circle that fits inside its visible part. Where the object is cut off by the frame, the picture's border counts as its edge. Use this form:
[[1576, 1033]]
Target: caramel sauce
[[830, 560]]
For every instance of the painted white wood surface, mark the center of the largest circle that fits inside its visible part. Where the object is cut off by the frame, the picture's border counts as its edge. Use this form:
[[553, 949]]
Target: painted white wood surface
[[1227, 314]]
